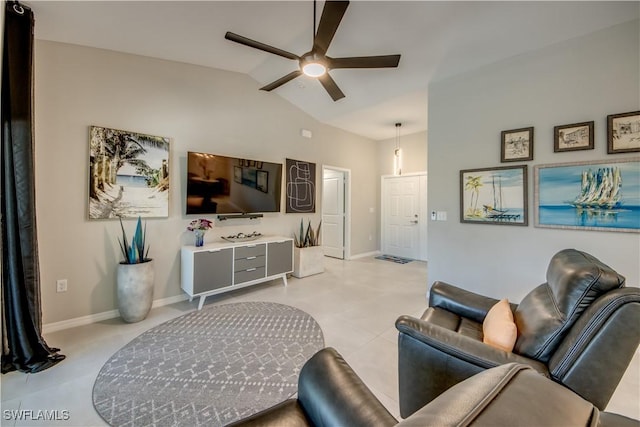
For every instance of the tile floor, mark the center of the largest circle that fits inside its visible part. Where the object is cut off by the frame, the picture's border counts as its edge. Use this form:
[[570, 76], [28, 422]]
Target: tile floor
[[355, 302]]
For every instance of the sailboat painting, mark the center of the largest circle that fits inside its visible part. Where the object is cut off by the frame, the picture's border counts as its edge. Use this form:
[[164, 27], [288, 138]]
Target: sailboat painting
[[494, 195], [589, 195]]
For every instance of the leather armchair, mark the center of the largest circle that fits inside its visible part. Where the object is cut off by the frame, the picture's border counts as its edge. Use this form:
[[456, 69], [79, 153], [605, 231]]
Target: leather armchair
[[580, 328], [330, 394]]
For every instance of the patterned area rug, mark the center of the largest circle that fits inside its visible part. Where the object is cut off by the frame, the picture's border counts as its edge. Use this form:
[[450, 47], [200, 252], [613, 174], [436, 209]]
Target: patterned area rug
[[208, 367], [396, 259]]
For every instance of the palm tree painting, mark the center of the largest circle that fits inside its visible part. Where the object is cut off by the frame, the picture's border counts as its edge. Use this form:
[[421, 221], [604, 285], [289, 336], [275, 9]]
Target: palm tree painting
[[128, 174], [473, 184], [494, 195]]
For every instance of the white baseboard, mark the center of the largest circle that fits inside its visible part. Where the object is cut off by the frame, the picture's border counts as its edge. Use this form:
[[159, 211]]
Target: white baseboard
[[105, 315], [365, 255]]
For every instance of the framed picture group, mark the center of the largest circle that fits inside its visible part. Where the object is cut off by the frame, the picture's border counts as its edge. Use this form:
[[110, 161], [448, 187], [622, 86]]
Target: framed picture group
[[623, 136], [592, 195]]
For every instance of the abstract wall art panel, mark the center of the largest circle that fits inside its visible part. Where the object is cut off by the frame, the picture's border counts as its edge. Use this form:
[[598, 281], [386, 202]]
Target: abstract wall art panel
[[300, 186]]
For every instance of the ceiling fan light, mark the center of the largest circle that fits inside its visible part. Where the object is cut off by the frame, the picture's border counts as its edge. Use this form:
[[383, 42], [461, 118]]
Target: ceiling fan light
[[314, 69]]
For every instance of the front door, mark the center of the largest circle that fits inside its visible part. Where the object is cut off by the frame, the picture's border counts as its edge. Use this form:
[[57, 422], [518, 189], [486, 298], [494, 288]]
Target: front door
[[404, 216]]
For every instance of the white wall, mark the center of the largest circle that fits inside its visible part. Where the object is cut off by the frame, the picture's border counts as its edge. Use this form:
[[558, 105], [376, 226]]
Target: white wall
[[201, 109], [414, 153], [583, 79]]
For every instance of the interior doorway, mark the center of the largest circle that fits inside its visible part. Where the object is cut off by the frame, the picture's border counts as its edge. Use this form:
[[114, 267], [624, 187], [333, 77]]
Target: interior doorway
[[404, 216], [336, 217]]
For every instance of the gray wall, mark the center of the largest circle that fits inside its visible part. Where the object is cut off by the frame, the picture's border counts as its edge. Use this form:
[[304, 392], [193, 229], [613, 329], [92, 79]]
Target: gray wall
[[583, 79], [201, 109]]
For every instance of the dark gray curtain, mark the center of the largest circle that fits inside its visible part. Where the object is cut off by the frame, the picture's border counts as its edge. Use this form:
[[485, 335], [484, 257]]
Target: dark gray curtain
[[23, 347]]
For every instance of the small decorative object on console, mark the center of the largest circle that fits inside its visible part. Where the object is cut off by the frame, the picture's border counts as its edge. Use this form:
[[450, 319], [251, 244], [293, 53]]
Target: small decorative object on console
[[241, 237], [199, 227]]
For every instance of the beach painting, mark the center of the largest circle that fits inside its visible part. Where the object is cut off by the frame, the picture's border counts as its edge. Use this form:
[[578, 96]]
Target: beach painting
[[128, 174], [494, 195], [598, 195]]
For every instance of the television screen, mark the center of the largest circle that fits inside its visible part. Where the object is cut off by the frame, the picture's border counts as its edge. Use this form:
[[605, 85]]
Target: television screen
[[222, 185]]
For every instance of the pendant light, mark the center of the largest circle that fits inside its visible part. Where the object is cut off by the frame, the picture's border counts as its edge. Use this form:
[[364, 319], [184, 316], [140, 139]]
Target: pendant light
[[397, 154]]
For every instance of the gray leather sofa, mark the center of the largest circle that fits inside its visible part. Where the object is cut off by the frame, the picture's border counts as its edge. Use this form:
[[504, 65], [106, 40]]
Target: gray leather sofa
[[330, 394], [580, 328]]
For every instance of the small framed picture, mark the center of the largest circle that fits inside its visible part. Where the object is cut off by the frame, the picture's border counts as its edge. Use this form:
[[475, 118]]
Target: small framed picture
[[517, 145], [262, 181], [237, 174], [573, 137], [623, 132]]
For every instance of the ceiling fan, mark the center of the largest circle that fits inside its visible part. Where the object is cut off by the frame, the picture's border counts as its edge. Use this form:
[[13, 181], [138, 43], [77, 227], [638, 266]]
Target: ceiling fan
[[316, 62]]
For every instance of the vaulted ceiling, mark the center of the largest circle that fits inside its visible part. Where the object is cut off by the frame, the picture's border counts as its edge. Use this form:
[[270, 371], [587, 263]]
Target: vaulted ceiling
[[436, 40]]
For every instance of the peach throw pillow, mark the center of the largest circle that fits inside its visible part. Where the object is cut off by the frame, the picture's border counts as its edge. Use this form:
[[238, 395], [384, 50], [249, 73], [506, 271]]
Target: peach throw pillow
[[499, 328]]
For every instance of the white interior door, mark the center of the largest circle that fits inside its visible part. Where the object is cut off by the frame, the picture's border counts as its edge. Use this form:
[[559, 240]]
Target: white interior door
[[404, 216], [333, 213]]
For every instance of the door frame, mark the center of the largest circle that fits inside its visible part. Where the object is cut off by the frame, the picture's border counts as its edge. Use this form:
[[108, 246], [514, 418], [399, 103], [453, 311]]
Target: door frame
[[423, 212], [346, 174]]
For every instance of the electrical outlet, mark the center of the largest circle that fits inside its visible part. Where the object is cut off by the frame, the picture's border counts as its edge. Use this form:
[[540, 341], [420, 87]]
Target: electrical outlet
[[433, 216], [61, 285]]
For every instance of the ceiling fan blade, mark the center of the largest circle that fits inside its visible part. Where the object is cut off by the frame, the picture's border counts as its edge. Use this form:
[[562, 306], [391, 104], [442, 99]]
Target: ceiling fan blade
[[383, 61], [258, 45], [330, 85], [282, 80], [329, 21]]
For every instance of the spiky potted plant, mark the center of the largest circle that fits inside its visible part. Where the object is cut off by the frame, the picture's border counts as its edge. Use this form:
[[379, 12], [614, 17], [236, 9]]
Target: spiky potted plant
[[308, 256], [135, 275]]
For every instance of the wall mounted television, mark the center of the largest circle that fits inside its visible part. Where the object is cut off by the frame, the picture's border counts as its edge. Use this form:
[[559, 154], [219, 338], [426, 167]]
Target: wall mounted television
[[230, 185]]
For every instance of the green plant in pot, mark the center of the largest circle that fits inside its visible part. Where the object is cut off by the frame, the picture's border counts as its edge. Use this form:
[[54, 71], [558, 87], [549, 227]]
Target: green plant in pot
[[134, 253], [308, 256], [308, 239], [135, 275]]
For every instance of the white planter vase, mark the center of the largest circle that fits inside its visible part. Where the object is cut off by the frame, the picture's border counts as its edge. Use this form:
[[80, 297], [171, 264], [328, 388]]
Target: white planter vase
[[308, 261], [135, 290]]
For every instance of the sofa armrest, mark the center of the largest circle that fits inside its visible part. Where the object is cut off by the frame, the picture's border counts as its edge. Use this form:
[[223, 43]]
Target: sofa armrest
[[508, 395], [287, 413], [331, 394], [431, 359], [461, 346], [460, 301]]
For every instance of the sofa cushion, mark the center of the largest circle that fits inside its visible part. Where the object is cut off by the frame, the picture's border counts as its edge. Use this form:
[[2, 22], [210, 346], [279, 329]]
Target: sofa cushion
[[453, 322], [574, 280], [498, 328]]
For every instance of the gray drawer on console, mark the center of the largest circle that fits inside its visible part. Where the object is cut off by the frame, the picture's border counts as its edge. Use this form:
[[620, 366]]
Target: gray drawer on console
[[211, 270], [248, 275], [279, 257], [250, 250], [249, 262]]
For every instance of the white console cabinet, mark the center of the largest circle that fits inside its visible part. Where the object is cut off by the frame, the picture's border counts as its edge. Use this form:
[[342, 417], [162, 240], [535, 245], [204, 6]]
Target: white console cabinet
[[224, 266]]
